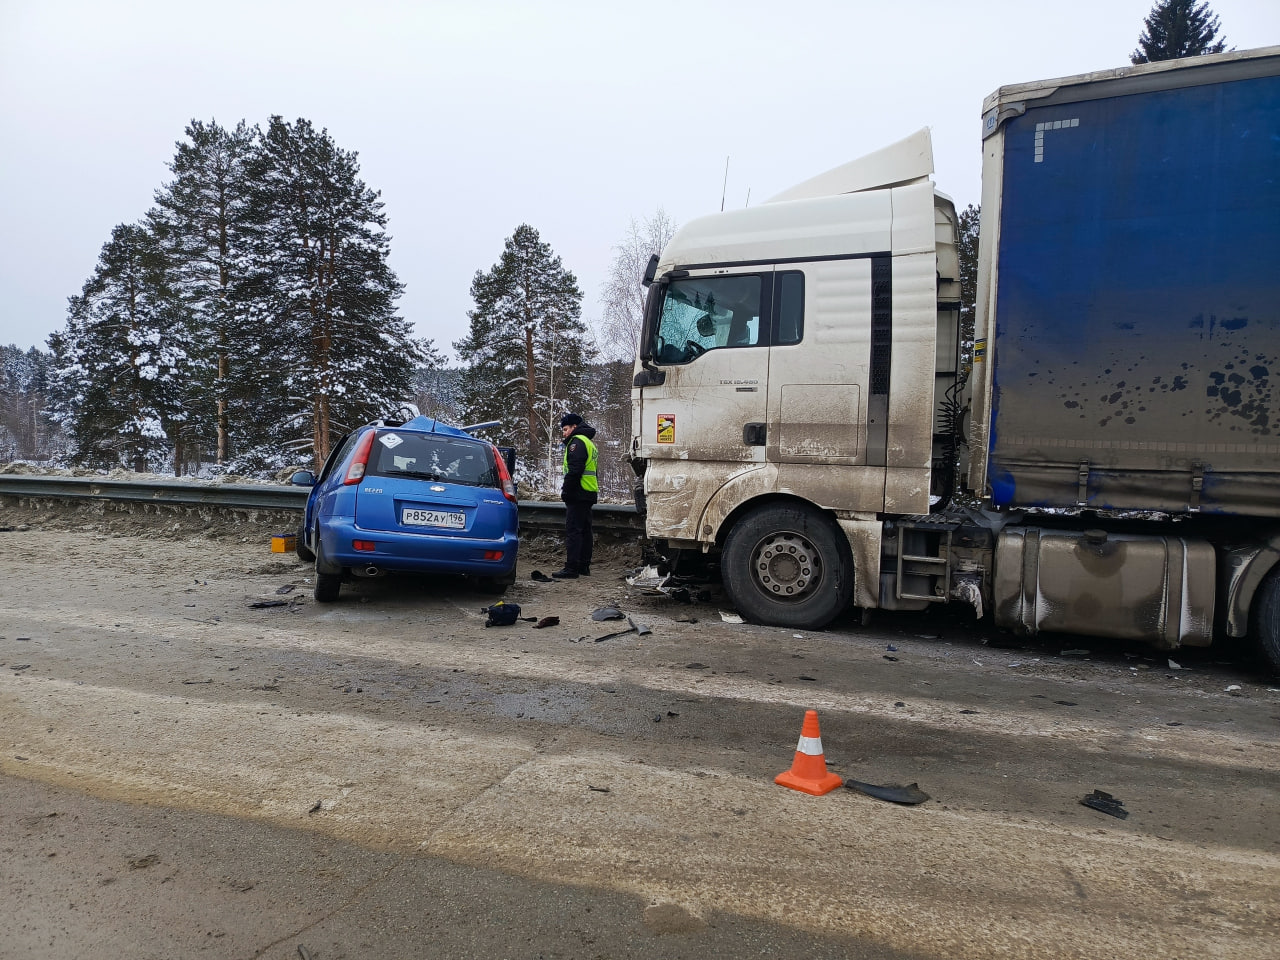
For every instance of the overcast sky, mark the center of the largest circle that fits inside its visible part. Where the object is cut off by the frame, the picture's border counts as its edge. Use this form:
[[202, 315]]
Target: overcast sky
[[473, 117]]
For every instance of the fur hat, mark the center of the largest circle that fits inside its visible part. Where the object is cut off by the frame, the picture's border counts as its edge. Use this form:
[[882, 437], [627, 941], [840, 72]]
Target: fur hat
[[570, 420]]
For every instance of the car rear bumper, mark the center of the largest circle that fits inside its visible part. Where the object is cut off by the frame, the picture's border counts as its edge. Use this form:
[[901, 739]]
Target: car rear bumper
[[423, 553]]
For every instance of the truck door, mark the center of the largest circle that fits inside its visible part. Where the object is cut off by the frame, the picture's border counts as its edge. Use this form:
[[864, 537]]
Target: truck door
[[711, 344]]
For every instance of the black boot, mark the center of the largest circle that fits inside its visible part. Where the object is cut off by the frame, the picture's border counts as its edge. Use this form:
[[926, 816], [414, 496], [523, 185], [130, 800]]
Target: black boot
[[566, 574]]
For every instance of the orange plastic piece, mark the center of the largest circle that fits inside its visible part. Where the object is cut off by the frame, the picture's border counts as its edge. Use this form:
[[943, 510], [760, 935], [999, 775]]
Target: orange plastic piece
[[808, 772]]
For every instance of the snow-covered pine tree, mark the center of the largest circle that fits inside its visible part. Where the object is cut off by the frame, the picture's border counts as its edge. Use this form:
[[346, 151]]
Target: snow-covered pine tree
[[26, 432], [323, 297], [123, 361], [200, 219], [527, 351]]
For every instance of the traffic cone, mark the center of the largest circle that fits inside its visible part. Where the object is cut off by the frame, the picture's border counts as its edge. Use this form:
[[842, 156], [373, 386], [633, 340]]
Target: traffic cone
[[808, 772]]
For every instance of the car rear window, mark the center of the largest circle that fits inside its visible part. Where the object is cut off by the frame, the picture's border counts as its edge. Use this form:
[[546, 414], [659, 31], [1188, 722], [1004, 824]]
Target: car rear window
[[431, 457]]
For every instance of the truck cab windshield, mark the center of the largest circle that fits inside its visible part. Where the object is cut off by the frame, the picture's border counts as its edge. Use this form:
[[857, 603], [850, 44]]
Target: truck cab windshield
[[708, 313]]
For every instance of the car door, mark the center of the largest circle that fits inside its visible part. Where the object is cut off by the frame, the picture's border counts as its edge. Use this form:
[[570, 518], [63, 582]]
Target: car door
[[712, 349]]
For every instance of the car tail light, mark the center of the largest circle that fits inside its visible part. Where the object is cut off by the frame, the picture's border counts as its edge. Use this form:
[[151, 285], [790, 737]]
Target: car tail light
[[367, 545], [493, 554], [355, 472], [504, 476]]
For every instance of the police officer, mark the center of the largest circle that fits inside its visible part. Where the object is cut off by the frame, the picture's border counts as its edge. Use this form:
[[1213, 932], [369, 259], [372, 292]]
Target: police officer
[[579, 491]]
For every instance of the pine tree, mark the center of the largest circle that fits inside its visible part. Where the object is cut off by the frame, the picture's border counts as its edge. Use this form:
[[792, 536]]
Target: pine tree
[[200, 219], [331, 349], [527, 351], [123, 361], [1175, 29]]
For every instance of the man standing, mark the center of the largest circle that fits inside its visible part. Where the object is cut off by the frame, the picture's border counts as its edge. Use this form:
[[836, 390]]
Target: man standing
[[579, 491]]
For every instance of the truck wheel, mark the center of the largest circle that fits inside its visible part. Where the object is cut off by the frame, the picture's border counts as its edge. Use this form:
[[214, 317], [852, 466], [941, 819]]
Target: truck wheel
[[1266, 618], [788, 566]]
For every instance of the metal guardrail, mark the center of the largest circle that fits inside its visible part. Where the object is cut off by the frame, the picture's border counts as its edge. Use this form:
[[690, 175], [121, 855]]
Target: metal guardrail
[[534, 514]]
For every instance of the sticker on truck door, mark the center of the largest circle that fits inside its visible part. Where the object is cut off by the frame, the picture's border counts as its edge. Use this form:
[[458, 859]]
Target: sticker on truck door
[[666, 428]]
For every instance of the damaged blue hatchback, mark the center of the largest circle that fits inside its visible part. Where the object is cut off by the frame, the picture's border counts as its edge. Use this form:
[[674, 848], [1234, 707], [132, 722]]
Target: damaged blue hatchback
[[414, 496]]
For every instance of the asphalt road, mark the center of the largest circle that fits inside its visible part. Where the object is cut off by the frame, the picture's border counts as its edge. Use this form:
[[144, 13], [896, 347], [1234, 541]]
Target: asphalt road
[[184, 772]]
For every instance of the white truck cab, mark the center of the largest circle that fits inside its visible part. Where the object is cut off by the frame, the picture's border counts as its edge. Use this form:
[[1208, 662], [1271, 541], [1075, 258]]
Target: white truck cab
[[793, 365]]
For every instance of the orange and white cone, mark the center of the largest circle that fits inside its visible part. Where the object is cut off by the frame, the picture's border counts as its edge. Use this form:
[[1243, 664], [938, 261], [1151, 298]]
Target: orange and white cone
[[808, 772]]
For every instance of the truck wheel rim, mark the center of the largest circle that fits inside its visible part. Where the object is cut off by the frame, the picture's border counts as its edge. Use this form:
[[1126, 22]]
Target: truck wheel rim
[[786, 566]]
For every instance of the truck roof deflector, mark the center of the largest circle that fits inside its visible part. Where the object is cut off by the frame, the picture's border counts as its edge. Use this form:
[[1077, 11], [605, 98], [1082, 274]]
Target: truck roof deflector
[[906, 161]]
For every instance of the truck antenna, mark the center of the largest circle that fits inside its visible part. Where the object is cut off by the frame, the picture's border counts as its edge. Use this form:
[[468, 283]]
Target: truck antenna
[[726, 183]]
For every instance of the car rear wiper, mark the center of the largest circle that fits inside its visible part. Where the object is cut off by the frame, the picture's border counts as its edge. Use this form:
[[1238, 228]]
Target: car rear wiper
[[418, 474]]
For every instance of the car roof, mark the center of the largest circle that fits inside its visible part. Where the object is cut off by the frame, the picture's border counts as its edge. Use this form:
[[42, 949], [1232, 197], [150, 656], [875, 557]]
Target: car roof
[[424, 424]]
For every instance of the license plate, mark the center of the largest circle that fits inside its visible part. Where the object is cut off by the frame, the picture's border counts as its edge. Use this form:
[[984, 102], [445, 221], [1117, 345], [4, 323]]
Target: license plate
[[433, 518]]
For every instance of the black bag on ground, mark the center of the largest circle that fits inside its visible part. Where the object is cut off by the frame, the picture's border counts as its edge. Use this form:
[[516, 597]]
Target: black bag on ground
[[501, 614]]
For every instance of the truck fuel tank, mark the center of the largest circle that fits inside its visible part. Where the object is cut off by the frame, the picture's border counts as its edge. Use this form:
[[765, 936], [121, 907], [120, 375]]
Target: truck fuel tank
[[1156, 589]]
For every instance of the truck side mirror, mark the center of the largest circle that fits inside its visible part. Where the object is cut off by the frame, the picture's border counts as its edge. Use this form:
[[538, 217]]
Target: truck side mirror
[[650, 271]]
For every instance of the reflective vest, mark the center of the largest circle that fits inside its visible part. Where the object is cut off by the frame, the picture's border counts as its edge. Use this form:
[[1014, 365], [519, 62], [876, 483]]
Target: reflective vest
[[589, 481]]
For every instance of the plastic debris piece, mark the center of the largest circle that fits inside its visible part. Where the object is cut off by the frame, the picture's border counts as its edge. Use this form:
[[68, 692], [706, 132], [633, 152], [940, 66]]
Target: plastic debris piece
[[547, 622], [640, 628], [616, 633], [909, 795], [647, 577], [1102, 801], [730, 617], [1175, 666], [606, 613]]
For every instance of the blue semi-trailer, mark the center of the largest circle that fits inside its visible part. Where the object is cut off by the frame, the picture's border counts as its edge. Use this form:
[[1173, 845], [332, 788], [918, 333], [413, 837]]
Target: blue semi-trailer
[[1105, 460]]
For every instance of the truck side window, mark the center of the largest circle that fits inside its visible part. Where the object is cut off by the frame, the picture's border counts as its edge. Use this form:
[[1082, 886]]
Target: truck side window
[[710, 313], [789, 307]]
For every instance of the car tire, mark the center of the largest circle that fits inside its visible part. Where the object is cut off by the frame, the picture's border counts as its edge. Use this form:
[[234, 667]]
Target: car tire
[[1266, 619], [787, 565], [300, 547], [328, 583]]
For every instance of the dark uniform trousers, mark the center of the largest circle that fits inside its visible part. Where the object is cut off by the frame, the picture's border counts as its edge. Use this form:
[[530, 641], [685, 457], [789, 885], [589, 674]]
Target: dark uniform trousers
[[577, 535]]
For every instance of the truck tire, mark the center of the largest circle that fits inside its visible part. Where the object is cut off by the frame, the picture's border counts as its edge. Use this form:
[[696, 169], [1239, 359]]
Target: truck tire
[[787, 565], [1266, 619]]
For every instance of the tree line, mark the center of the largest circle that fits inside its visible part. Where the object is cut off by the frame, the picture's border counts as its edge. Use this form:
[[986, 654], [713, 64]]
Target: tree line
[[248, 320]]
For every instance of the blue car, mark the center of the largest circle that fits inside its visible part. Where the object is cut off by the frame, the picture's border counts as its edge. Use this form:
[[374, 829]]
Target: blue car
[[417, 496]]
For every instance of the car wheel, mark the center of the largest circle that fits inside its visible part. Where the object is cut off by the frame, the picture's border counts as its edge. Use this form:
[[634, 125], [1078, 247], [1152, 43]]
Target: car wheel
[[788, 566], [328, 583], [1266, 619], [300, 547]]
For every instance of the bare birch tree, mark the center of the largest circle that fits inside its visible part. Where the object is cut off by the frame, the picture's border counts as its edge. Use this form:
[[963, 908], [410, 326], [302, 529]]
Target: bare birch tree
[[621, 294]]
